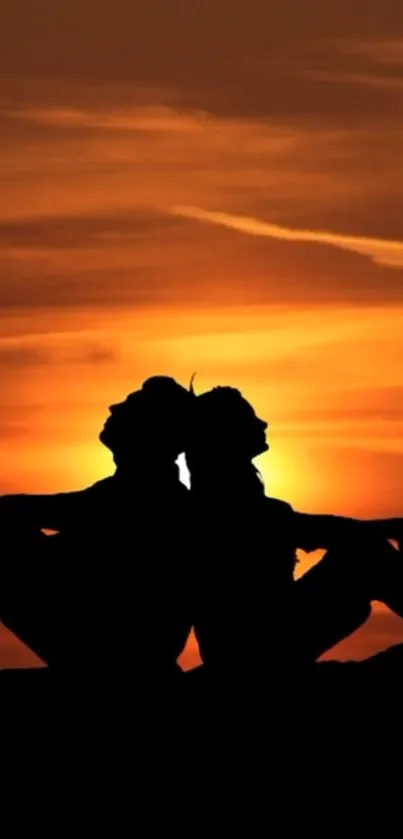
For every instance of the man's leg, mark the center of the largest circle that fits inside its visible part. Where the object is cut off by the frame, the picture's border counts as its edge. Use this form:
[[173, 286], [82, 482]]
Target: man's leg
[[29, 597]]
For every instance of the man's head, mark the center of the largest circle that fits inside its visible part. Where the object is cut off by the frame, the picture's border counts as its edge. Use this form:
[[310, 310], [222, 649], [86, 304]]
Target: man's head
[[150, 423]]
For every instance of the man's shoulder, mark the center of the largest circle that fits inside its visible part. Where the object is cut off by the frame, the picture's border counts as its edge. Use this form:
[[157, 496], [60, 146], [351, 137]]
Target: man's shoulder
[[105, 488], [105, 485], [82, 499], [110, 488]]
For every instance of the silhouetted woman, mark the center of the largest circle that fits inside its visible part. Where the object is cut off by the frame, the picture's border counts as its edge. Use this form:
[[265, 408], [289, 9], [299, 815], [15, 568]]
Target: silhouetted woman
[[250, 610]]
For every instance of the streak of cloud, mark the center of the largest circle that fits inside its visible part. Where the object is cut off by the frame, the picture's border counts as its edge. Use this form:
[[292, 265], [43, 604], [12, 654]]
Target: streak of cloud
[[135, 119], [381, 251]]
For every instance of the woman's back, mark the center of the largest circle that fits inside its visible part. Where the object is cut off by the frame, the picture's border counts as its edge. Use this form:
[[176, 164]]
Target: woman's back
[[244, 573]]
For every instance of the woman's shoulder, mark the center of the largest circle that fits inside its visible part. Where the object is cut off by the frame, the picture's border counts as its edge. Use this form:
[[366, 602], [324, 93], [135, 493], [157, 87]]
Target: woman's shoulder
[[277, 507]]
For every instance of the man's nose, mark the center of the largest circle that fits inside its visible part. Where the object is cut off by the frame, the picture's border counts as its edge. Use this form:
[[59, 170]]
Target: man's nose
[[265, 425]]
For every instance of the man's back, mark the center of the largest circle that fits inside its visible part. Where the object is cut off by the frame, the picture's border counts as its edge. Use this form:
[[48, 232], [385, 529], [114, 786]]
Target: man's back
[[115, 575]]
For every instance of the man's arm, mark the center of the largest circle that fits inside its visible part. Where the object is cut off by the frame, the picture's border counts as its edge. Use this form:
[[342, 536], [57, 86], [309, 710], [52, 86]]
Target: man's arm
[[37, 512], [313, 532]]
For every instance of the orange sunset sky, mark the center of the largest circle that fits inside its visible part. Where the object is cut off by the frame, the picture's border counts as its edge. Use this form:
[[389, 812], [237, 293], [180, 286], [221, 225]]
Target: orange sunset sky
[[210, 185]]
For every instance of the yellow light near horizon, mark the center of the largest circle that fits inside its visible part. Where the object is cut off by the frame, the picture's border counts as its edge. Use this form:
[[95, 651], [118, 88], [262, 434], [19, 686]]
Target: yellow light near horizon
[[277, 474]]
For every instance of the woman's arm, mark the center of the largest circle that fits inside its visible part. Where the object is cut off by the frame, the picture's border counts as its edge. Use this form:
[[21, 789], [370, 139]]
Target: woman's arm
[[313, 532]]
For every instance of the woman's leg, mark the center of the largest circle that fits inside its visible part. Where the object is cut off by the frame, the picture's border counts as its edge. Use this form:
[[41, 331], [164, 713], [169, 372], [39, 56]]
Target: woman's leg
[[327, 608], [333, 599]]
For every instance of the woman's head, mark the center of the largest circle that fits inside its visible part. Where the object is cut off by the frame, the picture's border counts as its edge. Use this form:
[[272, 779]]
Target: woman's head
[[224, 424], [225, 435], [150, 423]]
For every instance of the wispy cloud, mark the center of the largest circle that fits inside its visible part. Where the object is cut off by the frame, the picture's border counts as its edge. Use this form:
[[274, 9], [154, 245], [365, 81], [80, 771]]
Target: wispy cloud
[[386, 51], [381, 251], [134, 119], [353, 77]]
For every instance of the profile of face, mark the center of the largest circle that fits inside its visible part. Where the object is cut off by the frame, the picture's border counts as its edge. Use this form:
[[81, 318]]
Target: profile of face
[[226, 424], [251, 430], [149, 423]]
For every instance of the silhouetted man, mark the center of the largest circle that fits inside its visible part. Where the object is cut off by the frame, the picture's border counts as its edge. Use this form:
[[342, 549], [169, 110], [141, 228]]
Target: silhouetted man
[[109, 590]]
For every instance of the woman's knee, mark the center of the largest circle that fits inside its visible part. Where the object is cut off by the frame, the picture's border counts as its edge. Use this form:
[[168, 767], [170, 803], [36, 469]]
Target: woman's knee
[[356, 560]]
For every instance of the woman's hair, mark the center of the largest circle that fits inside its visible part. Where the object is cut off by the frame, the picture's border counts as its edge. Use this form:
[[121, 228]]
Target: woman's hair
[[214, 439], [216, 411]]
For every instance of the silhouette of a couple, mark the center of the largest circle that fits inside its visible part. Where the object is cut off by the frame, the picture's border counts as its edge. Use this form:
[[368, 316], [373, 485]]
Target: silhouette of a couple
[[137, 559]]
